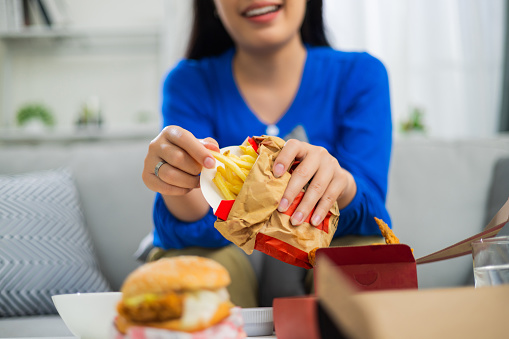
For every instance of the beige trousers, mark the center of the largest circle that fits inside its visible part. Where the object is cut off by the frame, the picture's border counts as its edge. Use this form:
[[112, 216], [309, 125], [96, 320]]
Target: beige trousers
[[244, 289]]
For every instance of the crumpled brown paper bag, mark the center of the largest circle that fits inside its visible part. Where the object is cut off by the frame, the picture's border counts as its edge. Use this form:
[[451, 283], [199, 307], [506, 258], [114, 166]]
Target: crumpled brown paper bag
[[255, 223]]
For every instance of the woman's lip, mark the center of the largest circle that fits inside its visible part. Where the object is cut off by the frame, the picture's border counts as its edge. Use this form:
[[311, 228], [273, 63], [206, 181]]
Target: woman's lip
[[259, 5], [263, 18]]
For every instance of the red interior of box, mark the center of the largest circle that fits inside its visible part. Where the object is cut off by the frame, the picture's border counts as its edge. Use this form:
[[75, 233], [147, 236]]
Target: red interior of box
[[374, 267]]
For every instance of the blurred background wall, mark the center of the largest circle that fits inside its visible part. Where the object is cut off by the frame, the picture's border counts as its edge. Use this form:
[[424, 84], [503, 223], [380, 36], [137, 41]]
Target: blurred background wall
[[444, 57], [445, 60], [107, 55]]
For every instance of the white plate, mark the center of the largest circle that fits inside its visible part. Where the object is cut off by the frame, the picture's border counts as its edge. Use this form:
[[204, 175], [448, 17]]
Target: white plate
[[210, 191]]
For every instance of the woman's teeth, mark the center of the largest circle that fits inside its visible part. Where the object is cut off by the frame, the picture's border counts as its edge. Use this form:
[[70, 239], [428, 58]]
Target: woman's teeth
[[261, 11]]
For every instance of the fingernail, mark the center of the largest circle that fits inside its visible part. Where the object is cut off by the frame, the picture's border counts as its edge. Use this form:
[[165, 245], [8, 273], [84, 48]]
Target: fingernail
[[278, 170], [283, 205], [316, 220], [297, 219], [209, 162], [209, 145]]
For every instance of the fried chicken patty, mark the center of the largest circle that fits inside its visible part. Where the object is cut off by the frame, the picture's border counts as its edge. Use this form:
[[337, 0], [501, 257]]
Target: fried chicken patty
[[152, 307]]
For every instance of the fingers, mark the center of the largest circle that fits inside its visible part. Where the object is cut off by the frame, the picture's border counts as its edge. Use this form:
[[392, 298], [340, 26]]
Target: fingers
[[293, 150], [179, 158], [321, 171], [186, 140], [314, 194], [184, 157], [326, 201], [177, 177], [170, 179], [210, 144], [158, 185]]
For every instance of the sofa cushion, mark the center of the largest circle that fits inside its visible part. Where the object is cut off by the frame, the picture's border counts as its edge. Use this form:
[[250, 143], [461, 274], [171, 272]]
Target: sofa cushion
[[499, 190], [45, 248], [41, 326]]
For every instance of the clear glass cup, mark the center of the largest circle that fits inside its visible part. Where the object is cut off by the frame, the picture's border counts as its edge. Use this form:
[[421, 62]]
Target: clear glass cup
[[491, 261]]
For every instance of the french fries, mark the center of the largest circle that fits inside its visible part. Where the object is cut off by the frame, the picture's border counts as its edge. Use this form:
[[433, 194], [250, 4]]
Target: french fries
[[230, 178]]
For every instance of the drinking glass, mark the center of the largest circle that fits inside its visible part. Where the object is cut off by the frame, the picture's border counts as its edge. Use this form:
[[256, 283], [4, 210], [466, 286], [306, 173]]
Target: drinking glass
[[491, 261]]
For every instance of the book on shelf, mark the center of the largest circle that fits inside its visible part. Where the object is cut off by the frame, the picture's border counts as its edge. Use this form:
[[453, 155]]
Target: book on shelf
[[11, 15], [34, 15], [57, 12], [17, 15], [3, 16], [44, 13]]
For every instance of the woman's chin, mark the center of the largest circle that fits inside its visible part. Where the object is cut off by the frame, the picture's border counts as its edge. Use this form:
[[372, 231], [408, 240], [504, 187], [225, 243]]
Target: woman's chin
[[268, 41]]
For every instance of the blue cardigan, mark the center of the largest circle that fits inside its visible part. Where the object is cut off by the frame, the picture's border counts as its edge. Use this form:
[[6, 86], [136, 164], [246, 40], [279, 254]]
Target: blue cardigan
[[342, 104]]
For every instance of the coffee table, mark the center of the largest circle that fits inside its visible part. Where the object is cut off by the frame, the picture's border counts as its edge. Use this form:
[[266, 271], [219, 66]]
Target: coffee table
[[45, 327]]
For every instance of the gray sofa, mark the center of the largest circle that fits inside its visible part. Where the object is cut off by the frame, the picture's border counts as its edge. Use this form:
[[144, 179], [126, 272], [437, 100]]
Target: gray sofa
[[439, 192]]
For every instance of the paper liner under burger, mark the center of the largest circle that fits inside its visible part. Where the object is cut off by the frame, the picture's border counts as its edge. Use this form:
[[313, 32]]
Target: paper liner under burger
[[253, 222], [229, 328]]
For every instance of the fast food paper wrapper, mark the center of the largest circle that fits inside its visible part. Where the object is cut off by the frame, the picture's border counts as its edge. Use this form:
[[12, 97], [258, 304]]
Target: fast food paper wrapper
[[252, 220], [230, 328]]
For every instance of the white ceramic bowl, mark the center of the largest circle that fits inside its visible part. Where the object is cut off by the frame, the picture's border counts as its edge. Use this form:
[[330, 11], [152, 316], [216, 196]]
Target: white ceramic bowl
[[88, 315], [258, 321]]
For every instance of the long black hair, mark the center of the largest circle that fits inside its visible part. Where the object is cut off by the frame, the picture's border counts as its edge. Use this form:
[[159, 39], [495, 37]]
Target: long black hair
[[209, 37]]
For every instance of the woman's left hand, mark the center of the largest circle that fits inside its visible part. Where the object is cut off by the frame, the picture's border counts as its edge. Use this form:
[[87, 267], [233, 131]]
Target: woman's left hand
[[328, 182]]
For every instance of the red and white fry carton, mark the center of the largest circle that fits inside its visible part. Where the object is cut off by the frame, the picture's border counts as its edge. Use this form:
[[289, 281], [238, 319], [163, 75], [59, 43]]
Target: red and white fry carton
[[252, 221]]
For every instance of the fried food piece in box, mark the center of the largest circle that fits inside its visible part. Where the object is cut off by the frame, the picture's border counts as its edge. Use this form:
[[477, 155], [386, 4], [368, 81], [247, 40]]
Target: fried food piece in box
[[387, 233], [312, 256]]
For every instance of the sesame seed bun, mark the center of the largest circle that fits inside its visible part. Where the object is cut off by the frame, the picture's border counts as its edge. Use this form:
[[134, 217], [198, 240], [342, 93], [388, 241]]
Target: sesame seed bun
[[181, 273]]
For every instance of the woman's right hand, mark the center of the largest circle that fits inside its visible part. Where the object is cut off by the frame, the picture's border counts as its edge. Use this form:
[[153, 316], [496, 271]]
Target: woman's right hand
[[183, 158]]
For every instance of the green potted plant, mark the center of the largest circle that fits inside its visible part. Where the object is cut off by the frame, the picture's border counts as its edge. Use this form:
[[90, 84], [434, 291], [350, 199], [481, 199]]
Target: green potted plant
[[414, 123], [90, 114], [35, 112]]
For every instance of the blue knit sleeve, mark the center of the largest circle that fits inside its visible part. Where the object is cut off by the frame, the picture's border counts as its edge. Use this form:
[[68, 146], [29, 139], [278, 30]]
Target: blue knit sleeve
[[187, 102], [364, 144], [187, 99], [171, 233]]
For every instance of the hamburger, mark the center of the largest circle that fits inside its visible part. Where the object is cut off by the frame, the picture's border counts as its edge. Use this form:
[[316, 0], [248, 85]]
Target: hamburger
[[185, 293]]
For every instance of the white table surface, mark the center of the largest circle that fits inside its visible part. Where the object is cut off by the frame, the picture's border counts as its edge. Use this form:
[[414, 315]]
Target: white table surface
[[53, 326]]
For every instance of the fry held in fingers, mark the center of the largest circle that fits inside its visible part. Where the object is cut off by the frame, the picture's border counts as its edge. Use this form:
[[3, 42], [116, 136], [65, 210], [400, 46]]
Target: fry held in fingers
[[230, 178]]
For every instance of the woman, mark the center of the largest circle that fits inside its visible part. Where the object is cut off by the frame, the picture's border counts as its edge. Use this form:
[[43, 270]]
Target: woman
[[265, 67]]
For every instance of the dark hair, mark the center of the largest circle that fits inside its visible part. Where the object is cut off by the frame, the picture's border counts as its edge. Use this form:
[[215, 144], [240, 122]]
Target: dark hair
[[209, 37]]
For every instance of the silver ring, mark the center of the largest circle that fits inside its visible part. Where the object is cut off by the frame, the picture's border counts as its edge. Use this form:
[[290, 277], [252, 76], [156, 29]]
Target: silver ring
[[158, 166]]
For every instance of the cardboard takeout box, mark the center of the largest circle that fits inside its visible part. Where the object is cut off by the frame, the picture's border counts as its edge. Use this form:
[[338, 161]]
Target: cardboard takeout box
[[463, 312], [370, 292], [367, 268]]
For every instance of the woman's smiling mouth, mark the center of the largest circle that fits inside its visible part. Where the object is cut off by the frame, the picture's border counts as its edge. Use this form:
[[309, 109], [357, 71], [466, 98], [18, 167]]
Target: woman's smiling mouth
[[261, 11]]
